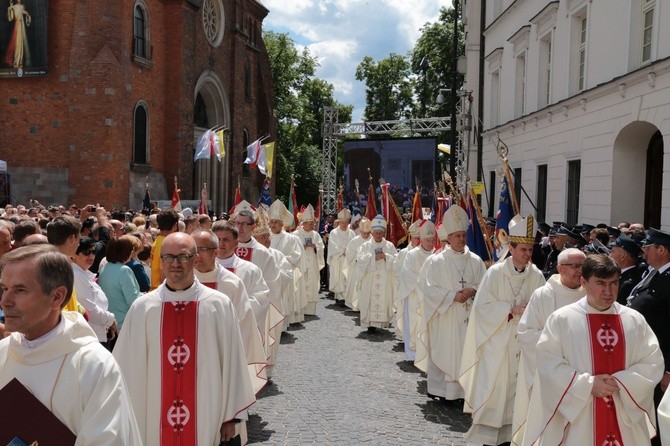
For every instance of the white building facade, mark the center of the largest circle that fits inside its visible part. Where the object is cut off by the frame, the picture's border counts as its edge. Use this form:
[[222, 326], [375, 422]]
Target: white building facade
[[579, 90]]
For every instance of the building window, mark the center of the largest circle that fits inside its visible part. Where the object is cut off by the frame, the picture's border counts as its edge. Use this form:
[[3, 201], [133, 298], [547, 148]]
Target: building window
[[495, 98], [213, 21], [517, 185], [581, 52], [492, 194], [247, 81], [648, 7], [545, 71], [140, 135], [541, 195], [574, 174], [140, 33], [520, 103]]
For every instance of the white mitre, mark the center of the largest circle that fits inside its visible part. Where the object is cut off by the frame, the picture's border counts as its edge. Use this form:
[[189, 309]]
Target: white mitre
[[455, 220], [522, 230], [307, 214], [427, 229]]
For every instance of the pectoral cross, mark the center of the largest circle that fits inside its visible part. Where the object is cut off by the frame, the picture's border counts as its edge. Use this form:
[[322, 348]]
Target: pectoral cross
[[462, 282]]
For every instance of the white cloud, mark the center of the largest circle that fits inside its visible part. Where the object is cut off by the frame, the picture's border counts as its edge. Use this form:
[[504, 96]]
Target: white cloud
[[339, 33]]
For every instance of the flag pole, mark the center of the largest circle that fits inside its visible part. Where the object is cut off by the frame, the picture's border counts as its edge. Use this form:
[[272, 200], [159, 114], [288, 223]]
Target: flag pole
[[482, 222], [503, 150]]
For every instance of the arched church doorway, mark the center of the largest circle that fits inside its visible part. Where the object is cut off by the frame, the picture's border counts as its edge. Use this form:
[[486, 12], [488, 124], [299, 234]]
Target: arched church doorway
[[654, 182], [637, 175], [211, 109]]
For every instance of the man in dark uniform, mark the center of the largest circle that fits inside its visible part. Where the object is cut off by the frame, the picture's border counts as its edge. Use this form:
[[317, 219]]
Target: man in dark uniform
[[627, 252], [650, 298], [565, 238]]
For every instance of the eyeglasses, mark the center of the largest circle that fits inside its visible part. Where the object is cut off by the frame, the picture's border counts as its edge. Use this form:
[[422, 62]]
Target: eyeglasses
[[87, 251], [205, 249], [572, 265], [182, 258]]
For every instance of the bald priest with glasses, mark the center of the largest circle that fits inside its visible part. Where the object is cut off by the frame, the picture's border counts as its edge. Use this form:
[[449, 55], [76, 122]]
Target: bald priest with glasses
[[181, 354]]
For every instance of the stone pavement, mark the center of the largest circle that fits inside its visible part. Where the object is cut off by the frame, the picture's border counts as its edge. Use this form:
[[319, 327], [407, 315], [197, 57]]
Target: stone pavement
[[336, 384]]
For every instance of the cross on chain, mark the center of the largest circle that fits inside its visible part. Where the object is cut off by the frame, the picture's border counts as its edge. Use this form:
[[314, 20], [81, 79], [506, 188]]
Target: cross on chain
[[462, 282]]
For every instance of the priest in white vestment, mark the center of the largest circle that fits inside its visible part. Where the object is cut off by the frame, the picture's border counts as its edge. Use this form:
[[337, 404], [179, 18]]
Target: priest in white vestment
[[375, 260], [451, 281], [249, 249], [597, 365], [398, 307], [410, 297], [560, 290], [338, 267], [251, 275], [181, 353], [215, 276], [290, 246], [664, 418], [313, 260], [274, 325], [354, 282], [491, 351], [56, 355]]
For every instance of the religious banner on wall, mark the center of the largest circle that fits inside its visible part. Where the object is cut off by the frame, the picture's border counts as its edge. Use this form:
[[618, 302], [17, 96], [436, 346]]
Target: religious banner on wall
[[23, 38]]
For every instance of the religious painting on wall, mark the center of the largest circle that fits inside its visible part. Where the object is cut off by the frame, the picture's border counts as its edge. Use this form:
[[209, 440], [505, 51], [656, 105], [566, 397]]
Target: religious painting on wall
[[23, 38]]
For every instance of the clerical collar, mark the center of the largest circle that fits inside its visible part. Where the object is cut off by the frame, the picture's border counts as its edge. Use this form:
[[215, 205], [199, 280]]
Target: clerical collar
[[519, 270], [170, 295], [247, 242], [58, 329], [178, 291]]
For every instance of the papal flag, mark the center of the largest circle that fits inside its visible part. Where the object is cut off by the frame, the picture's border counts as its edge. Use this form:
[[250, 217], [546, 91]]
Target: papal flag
[[266, 158]]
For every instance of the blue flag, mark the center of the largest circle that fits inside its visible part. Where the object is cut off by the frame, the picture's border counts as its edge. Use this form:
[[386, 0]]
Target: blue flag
[[265, 198], [475, 235], [503, 217]]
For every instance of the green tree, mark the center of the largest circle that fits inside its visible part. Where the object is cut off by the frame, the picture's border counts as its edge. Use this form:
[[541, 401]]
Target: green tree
[[389, 88], [432, 60], [299, 100]]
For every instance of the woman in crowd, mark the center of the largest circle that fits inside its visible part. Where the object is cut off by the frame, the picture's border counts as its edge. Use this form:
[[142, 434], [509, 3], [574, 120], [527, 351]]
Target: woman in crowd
[[117, 280], [90, 295], [136, 265]]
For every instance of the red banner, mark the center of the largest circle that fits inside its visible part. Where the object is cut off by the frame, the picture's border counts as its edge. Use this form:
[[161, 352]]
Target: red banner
[[396, 230]]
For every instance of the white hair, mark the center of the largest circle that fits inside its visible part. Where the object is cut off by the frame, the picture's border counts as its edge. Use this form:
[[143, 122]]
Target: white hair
[[563, 255]]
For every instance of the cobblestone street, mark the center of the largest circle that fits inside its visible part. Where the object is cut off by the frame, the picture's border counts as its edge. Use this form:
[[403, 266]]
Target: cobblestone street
[[337, 384]]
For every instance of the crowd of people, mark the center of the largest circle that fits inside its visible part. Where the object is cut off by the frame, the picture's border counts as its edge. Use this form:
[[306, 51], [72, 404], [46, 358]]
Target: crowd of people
[[159, 329]]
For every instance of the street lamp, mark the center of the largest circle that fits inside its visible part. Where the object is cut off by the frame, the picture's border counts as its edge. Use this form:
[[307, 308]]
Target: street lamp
[[440, 97]]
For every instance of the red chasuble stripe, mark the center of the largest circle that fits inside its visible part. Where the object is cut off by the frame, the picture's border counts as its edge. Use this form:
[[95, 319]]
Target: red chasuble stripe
[[211, 285], [231, 269], [179, 341], [244, 253], [608, 355]]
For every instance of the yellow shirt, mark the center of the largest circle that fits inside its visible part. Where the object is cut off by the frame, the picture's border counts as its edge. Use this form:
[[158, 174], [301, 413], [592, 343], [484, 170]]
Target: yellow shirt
[[156, 262], [73, 305]]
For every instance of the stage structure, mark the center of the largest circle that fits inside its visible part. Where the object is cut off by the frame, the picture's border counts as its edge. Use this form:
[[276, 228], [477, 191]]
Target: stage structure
[[333, 130]]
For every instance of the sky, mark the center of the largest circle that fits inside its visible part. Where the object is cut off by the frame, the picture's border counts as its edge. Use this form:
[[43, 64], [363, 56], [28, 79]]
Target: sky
[[339, 33]]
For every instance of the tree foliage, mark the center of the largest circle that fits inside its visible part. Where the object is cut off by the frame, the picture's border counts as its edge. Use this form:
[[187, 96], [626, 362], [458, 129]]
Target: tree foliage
[[389, 87], [407, 86], [299, 100], [435, 49]]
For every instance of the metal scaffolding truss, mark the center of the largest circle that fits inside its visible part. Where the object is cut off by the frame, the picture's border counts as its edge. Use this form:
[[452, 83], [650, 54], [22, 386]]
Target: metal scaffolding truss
[[333, 130], [405, 126]]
